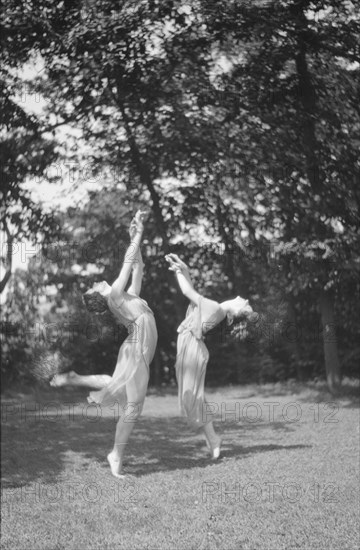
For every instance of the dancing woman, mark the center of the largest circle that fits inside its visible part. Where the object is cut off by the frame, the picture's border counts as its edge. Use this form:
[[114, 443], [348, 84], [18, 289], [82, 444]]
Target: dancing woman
[[192, 353], [128, 384]]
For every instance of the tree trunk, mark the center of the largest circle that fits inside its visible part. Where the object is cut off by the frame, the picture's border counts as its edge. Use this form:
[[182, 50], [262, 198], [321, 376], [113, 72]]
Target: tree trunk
[[332, 363], [294, 346], [307, 96], [144, 174], [9, 254]]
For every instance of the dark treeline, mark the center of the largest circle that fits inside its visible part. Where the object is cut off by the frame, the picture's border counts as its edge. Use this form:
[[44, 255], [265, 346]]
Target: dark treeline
[[237, 125]]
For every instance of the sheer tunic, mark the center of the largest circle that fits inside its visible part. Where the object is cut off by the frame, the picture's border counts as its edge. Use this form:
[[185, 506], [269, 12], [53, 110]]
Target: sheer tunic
[[136, 352], [192, 358]]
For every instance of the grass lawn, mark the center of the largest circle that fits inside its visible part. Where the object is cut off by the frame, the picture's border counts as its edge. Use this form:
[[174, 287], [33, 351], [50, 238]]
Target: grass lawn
[[288, 477]]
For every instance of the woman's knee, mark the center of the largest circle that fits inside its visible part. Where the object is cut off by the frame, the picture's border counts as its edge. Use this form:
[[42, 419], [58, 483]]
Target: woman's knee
[[133, 410], [136, 390]]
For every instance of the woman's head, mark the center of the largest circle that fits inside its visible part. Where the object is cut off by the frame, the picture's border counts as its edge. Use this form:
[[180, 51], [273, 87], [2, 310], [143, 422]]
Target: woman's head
[[96, 298], [238, 307], [238, 313], [102, 288]]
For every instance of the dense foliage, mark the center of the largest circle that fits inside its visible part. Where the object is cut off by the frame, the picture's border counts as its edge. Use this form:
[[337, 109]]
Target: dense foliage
[[238, 122]]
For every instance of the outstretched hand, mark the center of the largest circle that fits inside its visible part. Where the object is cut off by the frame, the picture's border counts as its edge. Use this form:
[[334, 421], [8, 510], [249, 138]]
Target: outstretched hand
[[140, 216], [137, 223], [176, 264]]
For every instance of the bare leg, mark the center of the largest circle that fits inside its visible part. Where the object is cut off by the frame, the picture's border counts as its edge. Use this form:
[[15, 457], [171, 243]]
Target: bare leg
[[124, 428], [136, 392], [213, 441], [96, 381]]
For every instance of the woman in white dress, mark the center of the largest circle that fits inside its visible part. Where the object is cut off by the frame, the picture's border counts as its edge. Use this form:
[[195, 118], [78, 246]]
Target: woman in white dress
[[128, 385], [192, 353]]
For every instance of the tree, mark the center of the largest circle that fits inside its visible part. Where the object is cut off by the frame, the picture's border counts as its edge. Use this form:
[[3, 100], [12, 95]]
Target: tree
[[293, 86], [266, 144], [25, 153]]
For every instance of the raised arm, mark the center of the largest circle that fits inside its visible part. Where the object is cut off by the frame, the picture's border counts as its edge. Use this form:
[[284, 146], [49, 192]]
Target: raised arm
[[183, 277], [118, 287], [137, 275]]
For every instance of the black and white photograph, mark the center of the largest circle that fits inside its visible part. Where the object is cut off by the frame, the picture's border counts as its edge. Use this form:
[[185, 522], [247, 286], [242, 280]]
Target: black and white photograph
[[180, 274]]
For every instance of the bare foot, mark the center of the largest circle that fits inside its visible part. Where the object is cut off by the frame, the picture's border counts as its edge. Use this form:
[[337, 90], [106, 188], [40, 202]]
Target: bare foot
[[63, 379], [214, 448], [115, 465]]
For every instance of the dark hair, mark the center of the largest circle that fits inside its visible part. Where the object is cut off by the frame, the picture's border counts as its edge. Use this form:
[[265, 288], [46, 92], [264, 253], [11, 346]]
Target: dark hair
[[251, 317], [95, 302]]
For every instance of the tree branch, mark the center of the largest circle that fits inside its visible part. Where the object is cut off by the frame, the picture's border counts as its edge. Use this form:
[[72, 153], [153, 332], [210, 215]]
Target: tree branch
[[7, 275], [144, 173]]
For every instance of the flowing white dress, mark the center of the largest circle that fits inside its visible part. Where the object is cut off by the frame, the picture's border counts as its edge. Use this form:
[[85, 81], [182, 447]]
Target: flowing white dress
[[192, 358], [136, 352]]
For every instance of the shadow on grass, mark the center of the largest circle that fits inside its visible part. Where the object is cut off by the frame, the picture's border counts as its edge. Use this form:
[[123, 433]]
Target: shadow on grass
[[315, 392], [46, 450], [348, 395]]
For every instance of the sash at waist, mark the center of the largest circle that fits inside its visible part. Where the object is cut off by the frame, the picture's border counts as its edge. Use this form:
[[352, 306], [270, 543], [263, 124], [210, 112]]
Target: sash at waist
[[131, 325], [183, 329]]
